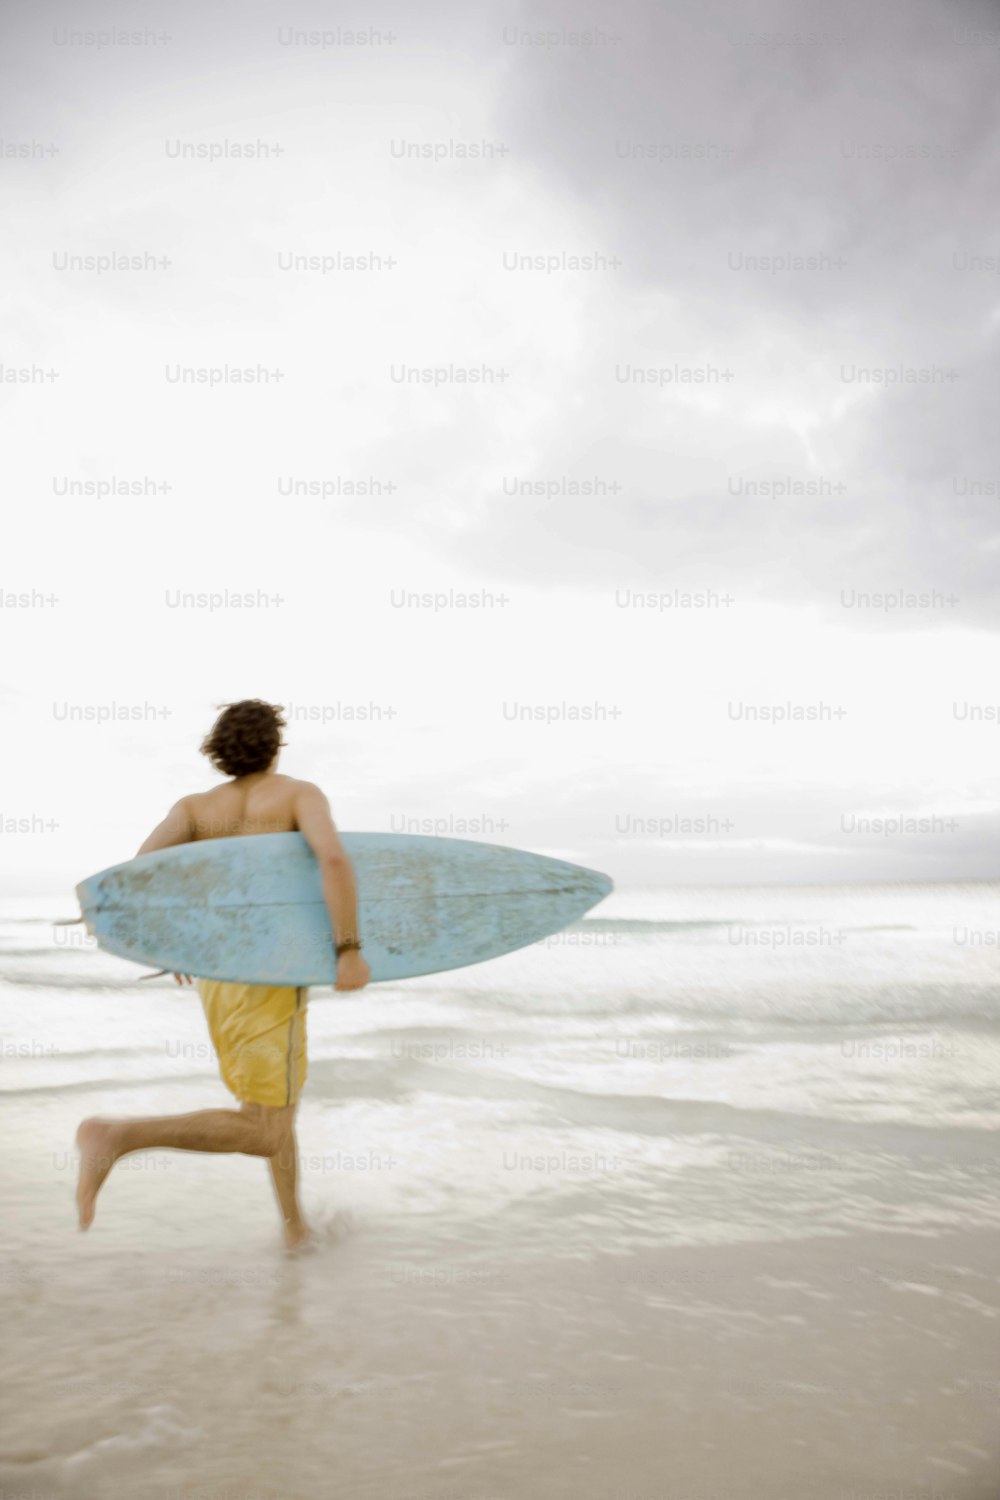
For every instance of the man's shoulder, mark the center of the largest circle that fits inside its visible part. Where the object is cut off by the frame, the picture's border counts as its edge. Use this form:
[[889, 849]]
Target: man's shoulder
[[198, 799], [292, 788], [296, 786]]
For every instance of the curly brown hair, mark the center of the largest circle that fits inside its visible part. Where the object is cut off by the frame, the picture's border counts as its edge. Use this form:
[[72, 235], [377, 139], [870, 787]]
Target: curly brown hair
[[245, 737]]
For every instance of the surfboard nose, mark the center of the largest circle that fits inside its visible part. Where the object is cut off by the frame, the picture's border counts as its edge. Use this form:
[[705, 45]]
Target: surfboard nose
[[601, 884]]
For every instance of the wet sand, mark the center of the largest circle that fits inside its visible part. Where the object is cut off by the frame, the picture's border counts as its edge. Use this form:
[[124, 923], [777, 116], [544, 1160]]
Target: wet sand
[[584, 1231], [862, 1366]]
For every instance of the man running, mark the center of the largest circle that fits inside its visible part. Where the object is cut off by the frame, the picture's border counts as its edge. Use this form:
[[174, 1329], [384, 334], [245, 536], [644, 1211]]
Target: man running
[[258, 1031]]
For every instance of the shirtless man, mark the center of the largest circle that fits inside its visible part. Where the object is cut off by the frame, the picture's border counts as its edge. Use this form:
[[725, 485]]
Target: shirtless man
[[258, 1030]]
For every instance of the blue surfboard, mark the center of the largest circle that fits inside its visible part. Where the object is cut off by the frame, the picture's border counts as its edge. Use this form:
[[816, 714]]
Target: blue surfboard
[[251, 908]]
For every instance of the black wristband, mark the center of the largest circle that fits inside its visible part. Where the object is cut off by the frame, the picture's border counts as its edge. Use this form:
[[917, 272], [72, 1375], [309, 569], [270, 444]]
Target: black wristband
[[353, 945]]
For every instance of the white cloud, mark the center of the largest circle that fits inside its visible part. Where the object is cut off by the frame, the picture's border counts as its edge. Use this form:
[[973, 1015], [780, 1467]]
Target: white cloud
[[678, 475]]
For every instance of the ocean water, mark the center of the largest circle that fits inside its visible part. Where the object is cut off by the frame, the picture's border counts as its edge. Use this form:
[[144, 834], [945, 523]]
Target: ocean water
[[638, 1186]]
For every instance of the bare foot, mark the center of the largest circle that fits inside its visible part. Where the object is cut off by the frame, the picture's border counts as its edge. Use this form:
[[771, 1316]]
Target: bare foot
[[297, 1235], [95, 1141]]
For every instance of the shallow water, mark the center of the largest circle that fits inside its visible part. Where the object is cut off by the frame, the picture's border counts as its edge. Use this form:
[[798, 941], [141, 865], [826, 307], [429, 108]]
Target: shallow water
[[518, 1173]]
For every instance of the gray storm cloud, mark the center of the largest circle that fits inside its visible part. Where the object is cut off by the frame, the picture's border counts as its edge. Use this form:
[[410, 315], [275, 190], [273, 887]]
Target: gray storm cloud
[[862, 137]]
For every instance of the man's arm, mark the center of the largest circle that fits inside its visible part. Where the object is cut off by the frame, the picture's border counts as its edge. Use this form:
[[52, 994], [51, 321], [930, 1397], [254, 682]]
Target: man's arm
[[312, 814], [176, 828]]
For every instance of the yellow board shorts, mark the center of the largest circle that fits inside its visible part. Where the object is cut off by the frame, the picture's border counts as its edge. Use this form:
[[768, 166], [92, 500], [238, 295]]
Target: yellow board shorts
[[259, 1034]]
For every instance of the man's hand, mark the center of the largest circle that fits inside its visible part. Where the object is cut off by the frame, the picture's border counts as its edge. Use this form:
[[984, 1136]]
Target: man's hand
[[352, 971]]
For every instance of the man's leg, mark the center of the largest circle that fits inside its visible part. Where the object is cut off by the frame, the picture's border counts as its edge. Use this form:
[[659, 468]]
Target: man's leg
[[255, 1130], [284, 1167]]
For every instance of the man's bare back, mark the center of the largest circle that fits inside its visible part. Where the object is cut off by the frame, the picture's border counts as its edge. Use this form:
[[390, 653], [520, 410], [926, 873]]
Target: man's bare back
[[266, 802], [254, 804]]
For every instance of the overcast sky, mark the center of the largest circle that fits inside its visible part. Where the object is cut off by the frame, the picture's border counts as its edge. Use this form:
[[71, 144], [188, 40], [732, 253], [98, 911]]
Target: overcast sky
[[675, 348]]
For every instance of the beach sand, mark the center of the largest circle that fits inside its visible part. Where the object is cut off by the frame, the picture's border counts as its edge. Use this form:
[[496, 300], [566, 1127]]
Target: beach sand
[[860, 1366], [671, 1218]]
